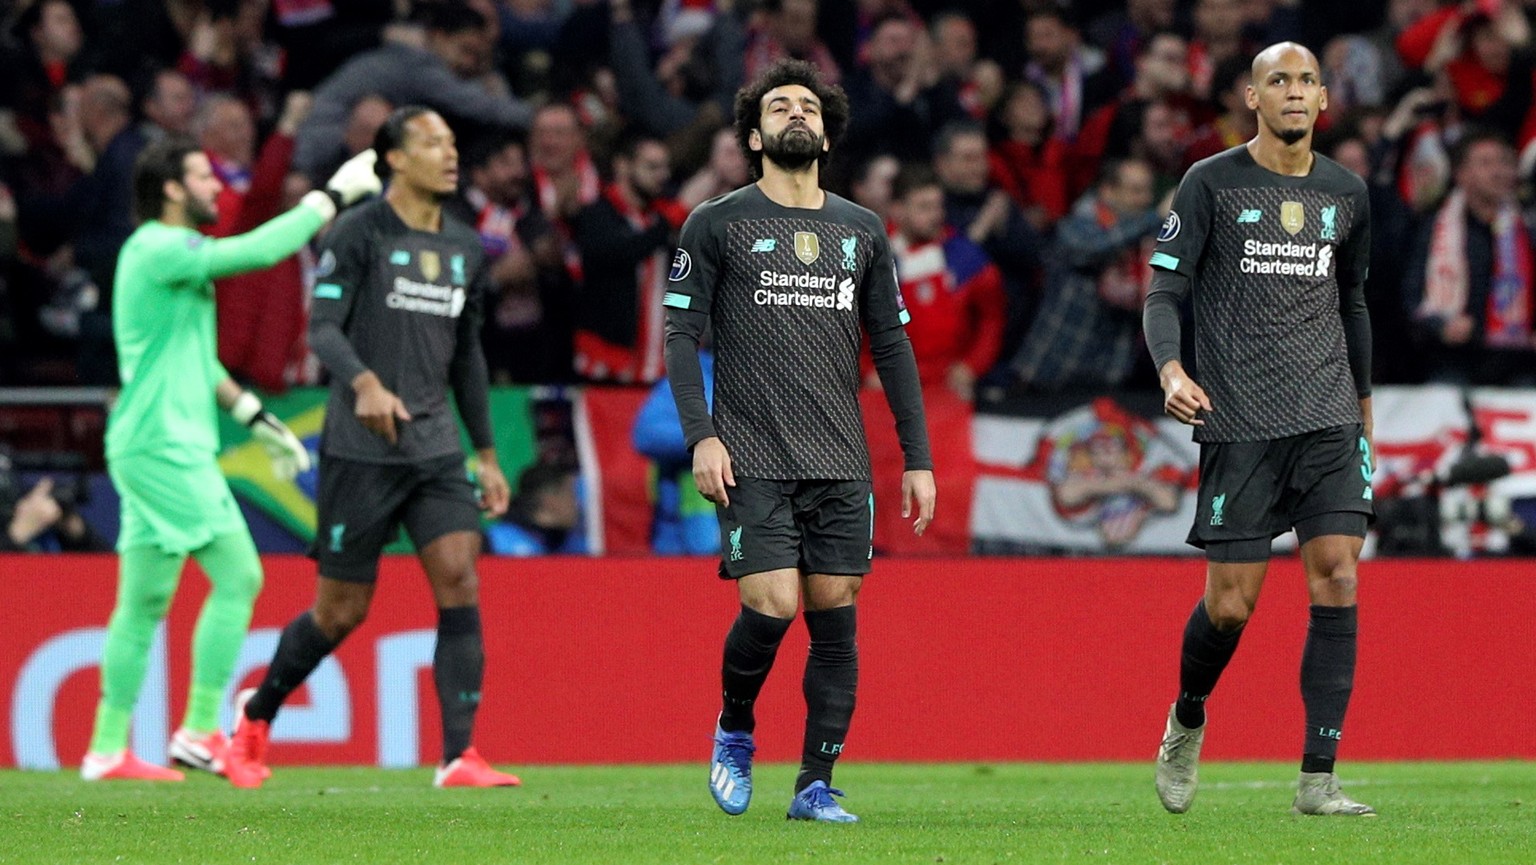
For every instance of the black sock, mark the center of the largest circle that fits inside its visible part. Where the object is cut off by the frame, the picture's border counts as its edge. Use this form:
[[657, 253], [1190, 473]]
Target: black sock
[[750, 647], [831, 679], [1205, 654], [301, 648], [458, 668], [1327, 678]]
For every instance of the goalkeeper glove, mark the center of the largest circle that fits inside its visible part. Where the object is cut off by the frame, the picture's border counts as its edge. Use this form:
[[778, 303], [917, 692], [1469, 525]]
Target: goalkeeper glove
[[289, 456], [352, 182]]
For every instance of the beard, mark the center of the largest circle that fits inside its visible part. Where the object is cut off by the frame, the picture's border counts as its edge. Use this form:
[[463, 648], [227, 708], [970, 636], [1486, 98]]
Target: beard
[[200, 214], [794, 149], [1291, 136]]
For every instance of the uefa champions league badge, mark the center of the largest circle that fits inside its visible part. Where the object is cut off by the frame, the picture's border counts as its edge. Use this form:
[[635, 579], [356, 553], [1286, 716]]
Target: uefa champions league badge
[[682, 265], [1170, 228]]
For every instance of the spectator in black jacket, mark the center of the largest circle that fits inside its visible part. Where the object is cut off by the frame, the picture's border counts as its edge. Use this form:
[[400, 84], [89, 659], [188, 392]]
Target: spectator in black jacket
[[626, 239]]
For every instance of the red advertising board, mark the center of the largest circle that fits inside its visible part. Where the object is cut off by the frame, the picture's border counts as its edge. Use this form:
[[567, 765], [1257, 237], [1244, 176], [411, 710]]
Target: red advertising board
[[617, 660]]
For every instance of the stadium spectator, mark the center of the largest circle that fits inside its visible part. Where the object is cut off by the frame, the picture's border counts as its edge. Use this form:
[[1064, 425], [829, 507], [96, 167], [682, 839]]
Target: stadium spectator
[[1218, 35], [955, 294], [401, 72], [1071, 74], [989, 218], [49, 55], [168, 106], [42, 520], [1087, 332], [626, 239], [787, 29], [871, 183], [564, 177], [1469, 282], [725, 171], [1157, 132], [1392, 232], [261, 314], [524, 257], [1353, 69], [1026, 160], [1124, 33], [896, 104], [1487, 59], [973, 83], [102, 211], [1161, 76], [1236, 124], [544, 517], [686, 94]]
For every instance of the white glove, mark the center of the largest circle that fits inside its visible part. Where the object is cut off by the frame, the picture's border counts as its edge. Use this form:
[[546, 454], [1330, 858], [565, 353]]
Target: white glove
[[355, 179], [288, 455]]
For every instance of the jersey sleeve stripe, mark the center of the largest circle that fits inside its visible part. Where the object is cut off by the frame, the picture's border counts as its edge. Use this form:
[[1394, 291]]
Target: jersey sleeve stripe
[[330, 291], [1164, 260], [904, 317], [676, 300]]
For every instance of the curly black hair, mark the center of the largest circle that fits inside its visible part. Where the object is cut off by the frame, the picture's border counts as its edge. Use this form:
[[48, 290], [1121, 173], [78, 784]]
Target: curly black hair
[[749, 105]]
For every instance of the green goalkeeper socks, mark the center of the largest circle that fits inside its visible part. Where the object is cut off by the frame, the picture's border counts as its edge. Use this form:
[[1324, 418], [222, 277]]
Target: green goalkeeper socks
[[234, 570], [146, 582], [147, 579]]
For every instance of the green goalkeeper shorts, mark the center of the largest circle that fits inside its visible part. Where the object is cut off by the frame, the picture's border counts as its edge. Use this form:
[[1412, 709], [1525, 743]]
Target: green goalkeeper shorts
[[177, 504]]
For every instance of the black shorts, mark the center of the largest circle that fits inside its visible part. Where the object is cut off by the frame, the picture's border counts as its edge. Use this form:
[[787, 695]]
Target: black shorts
[[819, 527], [361, 506], [1256, 491]]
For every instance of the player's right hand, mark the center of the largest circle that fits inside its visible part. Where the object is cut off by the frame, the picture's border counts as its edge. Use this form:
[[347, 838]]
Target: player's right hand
[[712, 470], [378, 408], [1183, 400], [356, 179]]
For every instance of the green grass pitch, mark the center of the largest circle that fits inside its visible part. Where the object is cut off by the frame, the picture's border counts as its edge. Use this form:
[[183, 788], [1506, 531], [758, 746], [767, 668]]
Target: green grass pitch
[[1479, 813]]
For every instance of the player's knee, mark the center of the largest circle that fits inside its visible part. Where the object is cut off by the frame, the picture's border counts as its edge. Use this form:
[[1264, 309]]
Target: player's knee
[[458, 586], [338, 619], [240, 584], [1334, 579], [780, 604], [1229, 612]]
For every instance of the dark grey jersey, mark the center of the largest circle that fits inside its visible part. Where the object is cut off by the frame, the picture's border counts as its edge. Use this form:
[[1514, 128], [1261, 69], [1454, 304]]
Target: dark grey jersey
[[786, 291], [1266, 255], [408, 305]]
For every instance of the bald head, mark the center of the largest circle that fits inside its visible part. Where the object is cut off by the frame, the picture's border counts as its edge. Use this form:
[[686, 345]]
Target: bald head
[[1288, 55], [1286, 91]]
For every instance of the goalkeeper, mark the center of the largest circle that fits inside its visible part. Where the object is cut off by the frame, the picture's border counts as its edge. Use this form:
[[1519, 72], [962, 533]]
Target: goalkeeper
[[162, 443]]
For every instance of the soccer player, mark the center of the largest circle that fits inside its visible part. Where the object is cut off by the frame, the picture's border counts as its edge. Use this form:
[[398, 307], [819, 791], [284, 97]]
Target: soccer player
[[163, 443], [786, 275], [1271, 241], [396, 322]]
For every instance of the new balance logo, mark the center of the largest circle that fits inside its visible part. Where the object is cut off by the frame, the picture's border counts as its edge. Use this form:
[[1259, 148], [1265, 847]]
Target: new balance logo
[[766, 244], [1249, 216], [337, 530]]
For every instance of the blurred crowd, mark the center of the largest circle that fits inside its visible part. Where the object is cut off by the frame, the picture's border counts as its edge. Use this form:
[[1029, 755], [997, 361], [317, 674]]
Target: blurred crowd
[[1021, 152]]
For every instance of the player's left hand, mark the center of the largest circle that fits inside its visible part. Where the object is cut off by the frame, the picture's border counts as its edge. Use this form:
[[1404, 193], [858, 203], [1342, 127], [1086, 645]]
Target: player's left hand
[[918, 485], [495, 492], [288, 455]]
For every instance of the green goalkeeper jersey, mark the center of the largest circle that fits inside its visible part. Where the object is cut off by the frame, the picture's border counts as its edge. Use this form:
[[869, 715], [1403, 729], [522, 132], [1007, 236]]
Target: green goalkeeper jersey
[[164, 325]]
